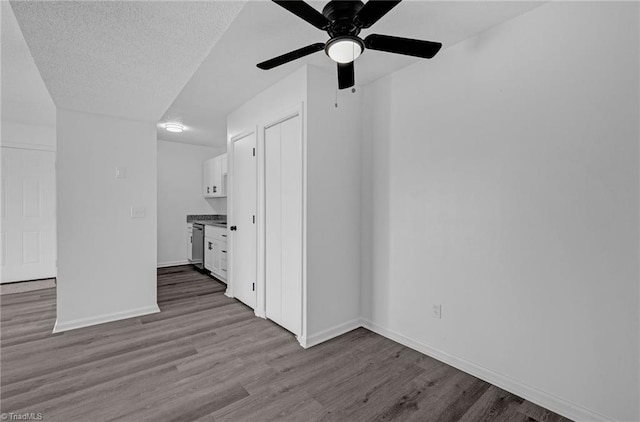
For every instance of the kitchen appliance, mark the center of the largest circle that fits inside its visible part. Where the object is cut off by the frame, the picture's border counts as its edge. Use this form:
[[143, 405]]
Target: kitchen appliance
[[197, 246]]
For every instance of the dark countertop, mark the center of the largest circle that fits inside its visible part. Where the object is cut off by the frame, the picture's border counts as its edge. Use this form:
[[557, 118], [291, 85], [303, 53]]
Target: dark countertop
[[216, 223], [218, 220]]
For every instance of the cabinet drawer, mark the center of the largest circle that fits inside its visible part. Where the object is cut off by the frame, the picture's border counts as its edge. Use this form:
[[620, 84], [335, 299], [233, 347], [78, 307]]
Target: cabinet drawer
[[218, 233]]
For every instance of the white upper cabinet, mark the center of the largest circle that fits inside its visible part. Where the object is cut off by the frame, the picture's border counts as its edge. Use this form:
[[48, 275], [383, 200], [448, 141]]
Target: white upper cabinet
[[215, 177], [207, 178]]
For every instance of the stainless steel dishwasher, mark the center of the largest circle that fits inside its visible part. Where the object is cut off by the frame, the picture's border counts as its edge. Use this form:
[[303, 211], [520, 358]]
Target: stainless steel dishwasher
[[197, 246]]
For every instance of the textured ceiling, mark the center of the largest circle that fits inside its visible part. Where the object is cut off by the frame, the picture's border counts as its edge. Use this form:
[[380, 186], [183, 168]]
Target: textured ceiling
[[24, 96], [121, 58], [229, 77]]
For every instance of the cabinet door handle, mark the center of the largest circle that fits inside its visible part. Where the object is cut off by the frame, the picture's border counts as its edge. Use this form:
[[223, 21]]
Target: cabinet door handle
[[233, 228], [224, 251], [215, 188], [224, 235], [210, 246], [207, 189]]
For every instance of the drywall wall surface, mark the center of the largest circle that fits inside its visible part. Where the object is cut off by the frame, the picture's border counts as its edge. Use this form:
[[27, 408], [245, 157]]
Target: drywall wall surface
[[504, 187], [106, 257], [333, 154], [28, 112], [270, 104], [180, 168], [28, 135], [374, 225]]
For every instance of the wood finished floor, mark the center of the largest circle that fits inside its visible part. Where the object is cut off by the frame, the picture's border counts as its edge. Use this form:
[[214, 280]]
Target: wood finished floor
[[206, 357]]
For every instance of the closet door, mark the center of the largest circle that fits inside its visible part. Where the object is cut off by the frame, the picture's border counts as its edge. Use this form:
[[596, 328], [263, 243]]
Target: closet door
[[243, 227], [28, 211], [283, 223]]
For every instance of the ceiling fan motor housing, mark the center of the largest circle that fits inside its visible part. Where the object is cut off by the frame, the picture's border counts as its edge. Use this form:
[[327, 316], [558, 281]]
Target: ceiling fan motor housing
[[342, 15]]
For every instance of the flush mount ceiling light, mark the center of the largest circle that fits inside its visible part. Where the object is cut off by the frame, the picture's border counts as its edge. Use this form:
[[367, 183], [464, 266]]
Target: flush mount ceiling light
[[174, 127], [344, 49]]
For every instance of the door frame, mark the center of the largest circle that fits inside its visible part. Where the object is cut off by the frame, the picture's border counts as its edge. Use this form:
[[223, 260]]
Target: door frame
[[261, 305], [230, 200]]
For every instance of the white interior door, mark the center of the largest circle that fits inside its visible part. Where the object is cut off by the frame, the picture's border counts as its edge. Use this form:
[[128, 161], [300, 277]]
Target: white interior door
[[283, 224], [27, 208], [244, 238]]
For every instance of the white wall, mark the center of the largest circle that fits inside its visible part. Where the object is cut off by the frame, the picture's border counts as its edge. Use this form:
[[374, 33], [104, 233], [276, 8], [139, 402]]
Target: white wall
[[180, 193], [503, 184], [28, 112], [28, 135], [106, 259], [269, 104], [333, 207]]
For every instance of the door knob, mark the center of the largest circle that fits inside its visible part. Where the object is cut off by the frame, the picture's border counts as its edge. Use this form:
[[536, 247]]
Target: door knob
[[233, 228]]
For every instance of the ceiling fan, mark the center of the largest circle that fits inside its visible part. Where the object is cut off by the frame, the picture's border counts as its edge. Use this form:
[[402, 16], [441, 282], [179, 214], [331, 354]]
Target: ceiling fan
[[343, 20]]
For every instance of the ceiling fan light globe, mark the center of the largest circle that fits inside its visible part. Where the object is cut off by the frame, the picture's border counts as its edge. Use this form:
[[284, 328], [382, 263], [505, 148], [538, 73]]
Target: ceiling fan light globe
[[344, 49]]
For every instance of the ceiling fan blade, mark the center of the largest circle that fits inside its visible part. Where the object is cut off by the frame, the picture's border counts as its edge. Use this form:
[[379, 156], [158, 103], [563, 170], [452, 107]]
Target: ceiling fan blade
[[373, 10], [346, 75], [304, 11], [290, 56], [399, 45]]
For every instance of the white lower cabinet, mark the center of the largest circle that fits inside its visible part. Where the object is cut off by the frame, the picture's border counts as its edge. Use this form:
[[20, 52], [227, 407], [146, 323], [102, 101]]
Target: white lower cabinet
[[190, 242], [215, 251], [208, 253]]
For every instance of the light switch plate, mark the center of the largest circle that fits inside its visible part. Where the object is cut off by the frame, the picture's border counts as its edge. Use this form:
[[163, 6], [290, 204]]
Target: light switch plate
[[138, 212], [121, 172]]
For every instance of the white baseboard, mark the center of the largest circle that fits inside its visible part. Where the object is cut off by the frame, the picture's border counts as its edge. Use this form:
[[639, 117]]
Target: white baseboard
[[172, 263], [548, 401], [101, 319], [24, 145], [27, 286], [329, 333]]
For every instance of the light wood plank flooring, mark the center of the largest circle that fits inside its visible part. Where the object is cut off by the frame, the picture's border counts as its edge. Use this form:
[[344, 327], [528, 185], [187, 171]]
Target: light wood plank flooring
[[206, 357]]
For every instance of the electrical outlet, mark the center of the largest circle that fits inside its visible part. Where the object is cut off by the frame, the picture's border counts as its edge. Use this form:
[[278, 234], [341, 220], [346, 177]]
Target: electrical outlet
[[437, 311], [138, 212]]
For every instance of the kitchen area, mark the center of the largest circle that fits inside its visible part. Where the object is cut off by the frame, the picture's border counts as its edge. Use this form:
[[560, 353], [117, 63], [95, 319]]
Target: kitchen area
[[207, 233], [207, 246], [192, 211]]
